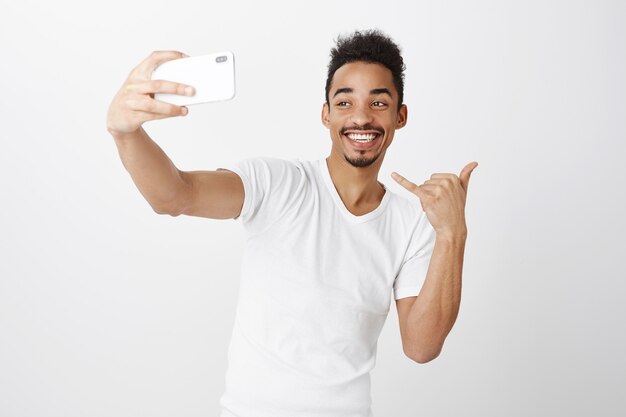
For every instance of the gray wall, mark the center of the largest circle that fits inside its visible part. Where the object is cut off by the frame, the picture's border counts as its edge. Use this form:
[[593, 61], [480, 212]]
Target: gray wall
[[109, 309]]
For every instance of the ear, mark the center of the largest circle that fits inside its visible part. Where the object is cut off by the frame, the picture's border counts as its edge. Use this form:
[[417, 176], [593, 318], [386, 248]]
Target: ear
[[402, 117], [326, 115]]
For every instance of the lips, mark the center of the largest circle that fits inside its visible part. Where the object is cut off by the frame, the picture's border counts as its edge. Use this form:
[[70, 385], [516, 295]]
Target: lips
[[362, 140], [362, 137]]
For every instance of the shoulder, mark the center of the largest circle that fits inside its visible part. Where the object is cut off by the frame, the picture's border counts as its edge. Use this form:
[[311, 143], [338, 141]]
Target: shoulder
[[275, 163], [406, 209], [408, 205], [277, 173]]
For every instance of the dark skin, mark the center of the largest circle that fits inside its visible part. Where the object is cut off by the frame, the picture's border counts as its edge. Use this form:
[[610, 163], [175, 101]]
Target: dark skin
[[364, 104], [363, 100]]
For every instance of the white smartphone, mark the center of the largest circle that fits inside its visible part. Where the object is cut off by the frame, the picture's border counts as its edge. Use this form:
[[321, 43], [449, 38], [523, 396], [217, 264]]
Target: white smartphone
[[212, 76]]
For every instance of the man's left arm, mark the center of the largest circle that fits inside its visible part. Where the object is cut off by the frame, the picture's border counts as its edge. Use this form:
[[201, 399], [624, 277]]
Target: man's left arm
[[426, 320]]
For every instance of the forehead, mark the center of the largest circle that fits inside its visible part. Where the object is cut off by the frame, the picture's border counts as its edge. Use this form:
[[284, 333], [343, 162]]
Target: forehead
[[362, 77]]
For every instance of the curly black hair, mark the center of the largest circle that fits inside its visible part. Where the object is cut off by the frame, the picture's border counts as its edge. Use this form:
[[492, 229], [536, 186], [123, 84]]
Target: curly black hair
[[369, 46]]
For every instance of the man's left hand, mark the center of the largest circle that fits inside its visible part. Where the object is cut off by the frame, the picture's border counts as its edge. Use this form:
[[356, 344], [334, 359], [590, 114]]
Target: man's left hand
[[443, 199]]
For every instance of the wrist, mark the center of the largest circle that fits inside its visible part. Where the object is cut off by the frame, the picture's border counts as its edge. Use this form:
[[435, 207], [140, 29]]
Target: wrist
[[122, 138], [457, 236]]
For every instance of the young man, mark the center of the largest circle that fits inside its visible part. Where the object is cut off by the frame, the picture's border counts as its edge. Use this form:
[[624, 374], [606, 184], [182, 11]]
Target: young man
[[327, 242]]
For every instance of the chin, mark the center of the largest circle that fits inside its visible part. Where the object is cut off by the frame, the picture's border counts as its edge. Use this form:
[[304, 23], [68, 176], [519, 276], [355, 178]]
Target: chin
[[361, 161]]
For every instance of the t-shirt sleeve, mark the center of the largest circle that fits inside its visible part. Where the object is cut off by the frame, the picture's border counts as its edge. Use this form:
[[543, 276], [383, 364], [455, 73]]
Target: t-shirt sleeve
[[270, 186], [410, 279]]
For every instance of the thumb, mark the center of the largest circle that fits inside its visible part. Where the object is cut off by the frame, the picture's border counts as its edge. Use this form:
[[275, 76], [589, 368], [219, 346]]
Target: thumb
[[464, 176]]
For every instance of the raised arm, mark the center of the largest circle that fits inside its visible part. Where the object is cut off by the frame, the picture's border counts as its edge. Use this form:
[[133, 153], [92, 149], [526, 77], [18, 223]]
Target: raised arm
[[212, 194]]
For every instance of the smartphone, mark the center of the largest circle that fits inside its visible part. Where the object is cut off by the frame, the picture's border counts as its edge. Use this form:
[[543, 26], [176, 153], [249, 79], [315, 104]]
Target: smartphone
[[212, 76]]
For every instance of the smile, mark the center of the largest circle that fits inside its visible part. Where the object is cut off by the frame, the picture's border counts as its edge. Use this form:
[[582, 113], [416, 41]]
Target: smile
[[362, 137]]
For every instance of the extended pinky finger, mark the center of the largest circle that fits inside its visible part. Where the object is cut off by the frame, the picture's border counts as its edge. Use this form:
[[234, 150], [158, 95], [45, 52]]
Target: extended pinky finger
[[404, 182]]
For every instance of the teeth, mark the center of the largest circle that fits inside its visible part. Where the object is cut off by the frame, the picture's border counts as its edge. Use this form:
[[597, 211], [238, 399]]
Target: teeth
[[362, 138]]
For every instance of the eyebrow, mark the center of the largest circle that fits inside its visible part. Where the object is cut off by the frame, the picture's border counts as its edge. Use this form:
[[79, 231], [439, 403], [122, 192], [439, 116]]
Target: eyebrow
[[375, 91]]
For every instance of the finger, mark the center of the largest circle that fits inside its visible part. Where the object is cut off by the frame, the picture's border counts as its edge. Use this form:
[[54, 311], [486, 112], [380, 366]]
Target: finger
[[464, 176], [430, 189], [436, 181], [412, 187], [149, 105], [161, 86], [155, 59], [432, 177], [145, 116], [446, 182]]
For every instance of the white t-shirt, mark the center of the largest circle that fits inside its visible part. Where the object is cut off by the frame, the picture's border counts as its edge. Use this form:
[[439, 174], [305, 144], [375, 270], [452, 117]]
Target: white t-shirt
[[316, 286]]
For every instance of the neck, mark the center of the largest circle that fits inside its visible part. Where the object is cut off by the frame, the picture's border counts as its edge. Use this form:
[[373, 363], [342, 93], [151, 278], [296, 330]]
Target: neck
[[358, 187]]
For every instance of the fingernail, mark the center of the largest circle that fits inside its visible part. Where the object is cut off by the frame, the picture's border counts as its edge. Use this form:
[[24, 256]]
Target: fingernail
[[185, 55], [184, 110], [188, 91]]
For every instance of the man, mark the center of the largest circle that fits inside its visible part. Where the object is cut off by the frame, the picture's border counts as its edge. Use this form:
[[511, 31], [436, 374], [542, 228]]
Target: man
[[327, 242]]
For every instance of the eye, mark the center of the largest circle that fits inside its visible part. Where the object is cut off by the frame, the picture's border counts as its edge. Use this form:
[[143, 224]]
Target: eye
[[379, 104], [342, 104]]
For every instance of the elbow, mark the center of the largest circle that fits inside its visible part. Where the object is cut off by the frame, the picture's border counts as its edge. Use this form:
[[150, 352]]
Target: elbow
[[163, 210], [422, 357], [173, 207]]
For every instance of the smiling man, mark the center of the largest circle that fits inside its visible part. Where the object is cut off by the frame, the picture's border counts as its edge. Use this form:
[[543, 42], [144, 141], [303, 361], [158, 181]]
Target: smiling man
[[328, 244]]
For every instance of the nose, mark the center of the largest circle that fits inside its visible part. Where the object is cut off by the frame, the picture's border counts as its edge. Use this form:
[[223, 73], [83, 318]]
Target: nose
[[361, 115]]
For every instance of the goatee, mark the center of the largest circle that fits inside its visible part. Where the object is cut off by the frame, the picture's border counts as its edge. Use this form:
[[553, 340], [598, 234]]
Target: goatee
[[360, 162]]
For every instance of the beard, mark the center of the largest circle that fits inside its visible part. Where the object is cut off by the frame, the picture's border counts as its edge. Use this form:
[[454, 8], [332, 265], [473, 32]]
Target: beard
[[361, 161]]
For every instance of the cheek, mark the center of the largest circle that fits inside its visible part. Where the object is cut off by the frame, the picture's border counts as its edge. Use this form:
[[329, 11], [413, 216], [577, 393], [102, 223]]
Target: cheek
[[335, 124]]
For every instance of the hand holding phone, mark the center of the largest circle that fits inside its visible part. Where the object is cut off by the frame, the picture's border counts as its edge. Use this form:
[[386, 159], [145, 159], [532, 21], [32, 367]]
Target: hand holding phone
[[211, 75], [134, 103]]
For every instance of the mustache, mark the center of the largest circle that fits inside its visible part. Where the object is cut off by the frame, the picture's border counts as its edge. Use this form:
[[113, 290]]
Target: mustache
[[364, 127]]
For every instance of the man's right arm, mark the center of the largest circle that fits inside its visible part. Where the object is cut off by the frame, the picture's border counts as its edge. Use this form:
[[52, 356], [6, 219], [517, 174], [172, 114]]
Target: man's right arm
[[212, 194]]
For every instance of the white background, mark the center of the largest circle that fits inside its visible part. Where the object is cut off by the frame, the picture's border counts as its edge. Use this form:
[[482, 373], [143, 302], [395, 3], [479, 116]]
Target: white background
[[109, 309]]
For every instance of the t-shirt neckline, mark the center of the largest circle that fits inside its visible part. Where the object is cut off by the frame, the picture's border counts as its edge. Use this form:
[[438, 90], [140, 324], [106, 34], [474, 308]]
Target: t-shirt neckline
[[325, 172]]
